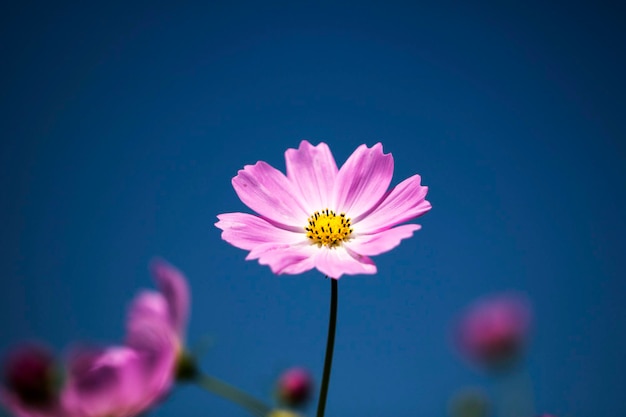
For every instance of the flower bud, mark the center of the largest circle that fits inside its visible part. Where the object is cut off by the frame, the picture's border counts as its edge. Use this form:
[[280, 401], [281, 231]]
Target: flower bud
[[493, 331], [294, 387], [30, 376]]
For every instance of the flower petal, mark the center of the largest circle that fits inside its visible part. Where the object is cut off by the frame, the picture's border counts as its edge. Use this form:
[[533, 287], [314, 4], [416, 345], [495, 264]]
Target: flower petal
[[148, 305], [150, 333], [300, 267], [247, 231], [173, 285], [404, 202], [282, 259], [267, 191], [158, 345], [103, 383], [312, 170], [338, 261], [381, 242], [363, 180]]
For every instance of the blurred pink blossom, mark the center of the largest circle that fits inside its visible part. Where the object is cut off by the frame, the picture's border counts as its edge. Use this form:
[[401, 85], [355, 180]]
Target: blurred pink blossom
[[493, 330], [119, 381], [111, 381]]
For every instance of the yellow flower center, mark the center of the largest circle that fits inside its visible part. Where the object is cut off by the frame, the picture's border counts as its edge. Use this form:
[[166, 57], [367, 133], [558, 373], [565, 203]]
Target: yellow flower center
[[328, 229]]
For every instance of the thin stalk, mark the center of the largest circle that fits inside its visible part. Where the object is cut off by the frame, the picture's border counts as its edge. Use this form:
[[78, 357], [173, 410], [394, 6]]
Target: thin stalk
[[225, 390], [330, 344]]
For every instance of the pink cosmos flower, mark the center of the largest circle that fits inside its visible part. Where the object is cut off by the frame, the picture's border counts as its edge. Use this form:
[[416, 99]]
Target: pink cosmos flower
[[124, 381], [115, 381], [493, 330], [319, 216]]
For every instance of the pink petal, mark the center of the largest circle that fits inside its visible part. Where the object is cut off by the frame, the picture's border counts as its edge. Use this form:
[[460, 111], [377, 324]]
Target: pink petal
[[247, 231], [404, 202], [284, 259], [150, 333], [338, 261], [299, 267], [312, 170], [381, 242], [148, 305], [173, 285], [363, 180], [103, 383], [267, 191], [158, 346]]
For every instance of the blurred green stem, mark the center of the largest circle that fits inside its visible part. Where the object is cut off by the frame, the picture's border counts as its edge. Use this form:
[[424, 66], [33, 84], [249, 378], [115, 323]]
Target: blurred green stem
[[225, 390], [330, 344], [515, 394]]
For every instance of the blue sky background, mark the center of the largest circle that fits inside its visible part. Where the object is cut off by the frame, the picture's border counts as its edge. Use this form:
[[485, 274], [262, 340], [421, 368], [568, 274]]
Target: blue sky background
[[123, 124]]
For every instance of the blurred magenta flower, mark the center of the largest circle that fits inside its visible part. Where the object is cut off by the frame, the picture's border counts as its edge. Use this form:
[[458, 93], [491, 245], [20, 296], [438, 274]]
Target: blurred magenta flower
[[494, 330], [124, 381], [31, 382], [294, 387], [319, 216], [114, 381]]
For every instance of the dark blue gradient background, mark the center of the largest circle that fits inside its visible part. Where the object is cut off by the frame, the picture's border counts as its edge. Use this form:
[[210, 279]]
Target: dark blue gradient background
[[123, 124]]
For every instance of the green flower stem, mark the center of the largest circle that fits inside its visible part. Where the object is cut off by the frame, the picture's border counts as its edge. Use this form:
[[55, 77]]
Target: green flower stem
[[225, 390], [330, 344]]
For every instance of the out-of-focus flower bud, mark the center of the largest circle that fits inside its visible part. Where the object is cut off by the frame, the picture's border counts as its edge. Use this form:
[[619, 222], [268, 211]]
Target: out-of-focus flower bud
[[493, 331], [31, 377], [294, 387]]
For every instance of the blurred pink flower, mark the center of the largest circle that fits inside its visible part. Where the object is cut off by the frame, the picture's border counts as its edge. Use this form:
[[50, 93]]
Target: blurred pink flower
[[294, 387], [124, 381], [115, 381], [30, 377], [493, 330], [319, 216]]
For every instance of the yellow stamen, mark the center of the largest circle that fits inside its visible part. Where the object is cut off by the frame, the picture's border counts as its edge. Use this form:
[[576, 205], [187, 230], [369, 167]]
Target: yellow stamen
[[325, 228]]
